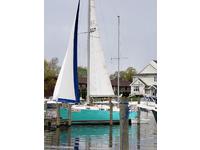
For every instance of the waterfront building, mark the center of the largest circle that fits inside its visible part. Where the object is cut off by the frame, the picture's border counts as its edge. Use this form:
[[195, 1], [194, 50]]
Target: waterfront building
[[82, 81], [145, 82], [124, 87]]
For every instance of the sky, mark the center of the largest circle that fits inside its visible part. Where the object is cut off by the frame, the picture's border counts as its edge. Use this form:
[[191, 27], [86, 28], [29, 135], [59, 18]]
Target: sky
[[138, 30]]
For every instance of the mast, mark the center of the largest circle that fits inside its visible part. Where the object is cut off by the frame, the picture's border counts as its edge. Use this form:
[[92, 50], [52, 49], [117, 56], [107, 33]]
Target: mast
[[88, 59], [118, 58]]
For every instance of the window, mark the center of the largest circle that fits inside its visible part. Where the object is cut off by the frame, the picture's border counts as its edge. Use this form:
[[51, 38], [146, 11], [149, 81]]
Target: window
[[155, 78], [136, 88]]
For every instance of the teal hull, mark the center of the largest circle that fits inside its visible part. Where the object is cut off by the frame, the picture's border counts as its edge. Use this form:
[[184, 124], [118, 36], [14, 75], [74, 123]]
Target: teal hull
[[93, 116]]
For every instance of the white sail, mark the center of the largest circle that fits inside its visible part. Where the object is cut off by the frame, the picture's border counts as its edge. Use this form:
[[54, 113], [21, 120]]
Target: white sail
[[66, 89], [100, 85]]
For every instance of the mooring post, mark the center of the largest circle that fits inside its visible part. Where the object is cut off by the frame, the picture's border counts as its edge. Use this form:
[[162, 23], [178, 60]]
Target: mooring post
[[57, 136], [138, 111], [124, 124], [45, 108], [69, 136], [58, 115], [69, 114], [111, 111], [110, 136], [138, 124]]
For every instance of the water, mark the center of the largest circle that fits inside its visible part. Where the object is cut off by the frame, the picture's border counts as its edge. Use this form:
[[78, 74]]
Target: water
[[103, 137]]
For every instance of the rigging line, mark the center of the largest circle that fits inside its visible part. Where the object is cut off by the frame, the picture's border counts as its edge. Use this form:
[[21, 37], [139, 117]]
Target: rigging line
[[122, 42], [114, 8], [80, 38], [114, 47], [102, 24], [117, 12], [110, 43]]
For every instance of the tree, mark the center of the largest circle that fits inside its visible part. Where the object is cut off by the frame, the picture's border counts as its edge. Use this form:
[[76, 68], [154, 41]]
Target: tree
[[124, 75], [51, 70], [130, 72], [82, 72]]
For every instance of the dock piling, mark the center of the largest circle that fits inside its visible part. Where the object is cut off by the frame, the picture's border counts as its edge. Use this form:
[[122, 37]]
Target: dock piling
[[69, 114], [45, 108], [58, 115], [138, 112], [124, 123], [110, 137], [111, 112]]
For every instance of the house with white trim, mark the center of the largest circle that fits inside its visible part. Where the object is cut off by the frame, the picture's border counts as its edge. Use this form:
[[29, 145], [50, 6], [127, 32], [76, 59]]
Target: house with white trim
[[145, 82]]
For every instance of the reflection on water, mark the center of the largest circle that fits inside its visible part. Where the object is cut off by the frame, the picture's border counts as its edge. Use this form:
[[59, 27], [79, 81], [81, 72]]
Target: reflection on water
[[139, 137]]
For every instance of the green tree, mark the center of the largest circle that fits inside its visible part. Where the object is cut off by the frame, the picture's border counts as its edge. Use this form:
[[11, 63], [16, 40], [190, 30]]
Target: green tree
[[82, 72], [124, 75], [51, 70], [129, 73]]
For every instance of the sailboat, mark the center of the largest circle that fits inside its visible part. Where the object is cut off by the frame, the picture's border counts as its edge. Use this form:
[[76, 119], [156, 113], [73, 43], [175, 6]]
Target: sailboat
[[98, 82]]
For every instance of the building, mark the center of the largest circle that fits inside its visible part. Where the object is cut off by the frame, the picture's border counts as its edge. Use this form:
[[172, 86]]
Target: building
[[124, 87], [82, 82], [145, 82]]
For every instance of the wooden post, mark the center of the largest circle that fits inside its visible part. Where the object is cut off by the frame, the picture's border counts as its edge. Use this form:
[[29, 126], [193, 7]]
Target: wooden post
[[138, 112], [45, 108], [111, 111], [57, 136], [69, 136], [138, 125], [58, 115], [69, 114], [110, 136], [124, 123]]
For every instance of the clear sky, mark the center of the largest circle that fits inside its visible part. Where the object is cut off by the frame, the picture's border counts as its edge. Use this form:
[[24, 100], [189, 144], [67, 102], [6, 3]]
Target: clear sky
[[138, 30]]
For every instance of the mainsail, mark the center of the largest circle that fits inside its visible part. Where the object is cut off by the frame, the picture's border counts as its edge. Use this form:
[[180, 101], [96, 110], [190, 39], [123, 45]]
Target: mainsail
[[99, 82], [66, 89]]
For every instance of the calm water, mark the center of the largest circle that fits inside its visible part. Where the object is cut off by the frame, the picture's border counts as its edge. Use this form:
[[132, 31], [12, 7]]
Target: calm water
[[102, 137]]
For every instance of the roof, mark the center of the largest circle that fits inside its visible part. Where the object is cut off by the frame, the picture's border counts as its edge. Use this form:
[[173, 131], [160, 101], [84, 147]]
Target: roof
[[148, 68], [155, 61], [139, 80], [151, 86], [142, 81]]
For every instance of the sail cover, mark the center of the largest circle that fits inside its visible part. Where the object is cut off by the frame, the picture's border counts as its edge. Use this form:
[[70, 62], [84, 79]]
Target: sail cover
[[100, 85], [66, 89]]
